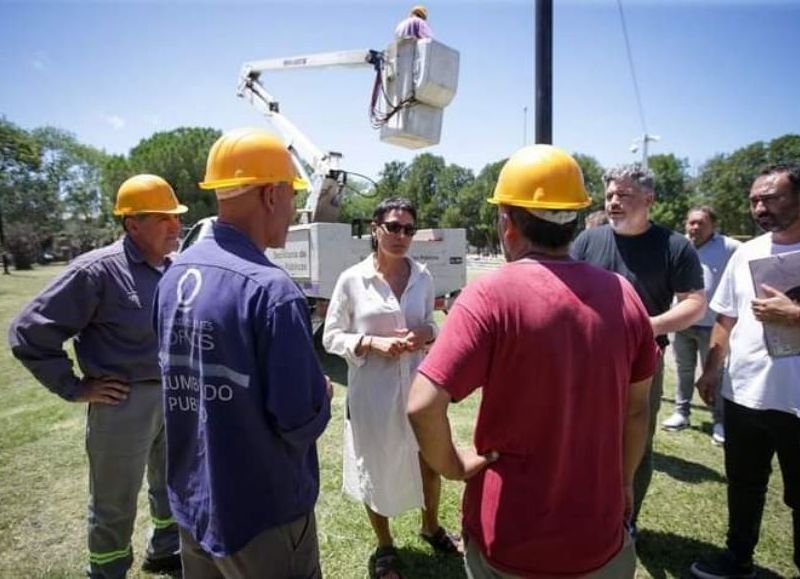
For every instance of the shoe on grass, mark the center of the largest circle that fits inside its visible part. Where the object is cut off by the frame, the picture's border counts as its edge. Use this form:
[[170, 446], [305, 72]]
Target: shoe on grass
[[168, 565], [723, 566], [676, 422], [718, 434]]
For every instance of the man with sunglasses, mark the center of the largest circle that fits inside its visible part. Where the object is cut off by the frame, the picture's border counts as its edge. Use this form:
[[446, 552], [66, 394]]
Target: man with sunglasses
[[245, 398], [761, 393]]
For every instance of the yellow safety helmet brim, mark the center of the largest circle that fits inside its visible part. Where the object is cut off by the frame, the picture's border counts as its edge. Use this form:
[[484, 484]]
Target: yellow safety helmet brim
[[298, 183], [179, 210]]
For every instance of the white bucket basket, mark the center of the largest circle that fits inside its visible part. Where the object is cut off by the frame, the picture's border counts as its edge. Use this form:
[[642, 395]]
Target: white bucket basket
[[420, 77]]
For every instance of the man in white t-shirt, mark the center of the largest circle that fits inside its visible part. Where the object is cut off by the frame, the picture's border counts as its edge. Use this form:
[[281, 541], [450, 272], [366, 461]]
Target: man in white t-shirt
[[762, 393]]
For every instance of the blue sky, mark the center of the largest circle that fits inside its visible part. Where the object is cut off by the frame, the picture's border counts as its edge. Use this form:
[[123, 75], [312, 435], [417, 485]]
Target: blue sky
[[713, 76]]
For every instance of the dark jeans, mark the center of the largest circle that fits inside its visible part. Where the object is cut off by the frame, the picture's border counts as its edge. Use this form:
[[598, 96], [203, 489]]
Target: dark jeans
[[752, 438]]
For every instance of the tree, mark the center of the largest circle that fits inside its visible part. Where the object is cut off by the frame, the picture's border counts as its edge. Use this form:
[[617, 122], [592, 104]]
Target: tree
[[29, 210], [179, 156], [115, 171], [473, 212], [421, 187], [673, 190], [783, 150], [359, 201], [592, 179], [73, 172], [724, 181], [390, 182]]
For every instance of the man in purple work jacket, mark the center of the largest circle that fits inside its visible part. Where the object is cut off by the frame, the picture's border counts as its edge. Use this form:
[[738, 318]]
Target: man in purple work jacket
[[103, 301], [244, 396]]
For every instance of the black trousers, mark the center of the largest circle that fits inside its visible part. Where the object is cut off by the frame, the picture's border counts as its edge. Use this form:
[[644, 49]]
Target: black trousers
[[752, 438]]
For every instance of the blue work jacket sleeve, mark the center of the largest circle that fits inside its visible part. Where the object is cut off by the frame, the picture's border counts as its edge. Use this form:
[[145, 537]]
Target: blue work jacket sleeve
[[38, 333], [296, 395]]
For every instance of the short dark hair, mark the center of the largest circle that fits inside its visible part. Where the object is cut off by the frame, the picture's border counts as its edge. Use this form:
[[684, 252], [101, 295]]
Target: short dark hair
[[541, 232], [391, 204], [712, 215], [791, 169]]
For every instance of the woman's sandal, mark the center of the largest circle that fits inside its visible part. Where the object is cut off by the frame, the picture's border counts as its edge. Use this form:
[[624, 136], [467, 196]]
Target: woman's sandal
[[386, 562], [442, 541]]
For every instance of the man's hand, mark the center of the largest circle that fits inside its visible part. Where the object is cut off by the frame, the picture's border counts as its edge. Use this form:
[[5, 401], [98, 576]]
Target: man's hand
[[102, 391], [328, 387], [707, 387], [472, 463], [389, 347], [776, 308]]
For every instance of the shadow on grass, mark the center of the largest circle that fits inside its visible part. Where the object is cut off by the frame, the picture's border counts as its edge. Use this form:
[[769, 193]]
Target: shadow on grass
[[426, 565], [669, 555], [685, 470]]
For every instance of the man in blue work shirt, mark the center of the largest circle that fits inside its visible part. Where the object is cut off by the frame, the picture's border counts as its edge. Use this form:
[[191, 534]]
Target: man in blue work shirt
[[245, 398], [104, 301]]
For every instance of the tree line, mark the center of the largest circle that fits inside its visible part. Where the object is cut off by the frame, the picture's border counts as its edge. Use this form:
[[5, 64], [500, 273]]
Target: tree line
[[57, 194]]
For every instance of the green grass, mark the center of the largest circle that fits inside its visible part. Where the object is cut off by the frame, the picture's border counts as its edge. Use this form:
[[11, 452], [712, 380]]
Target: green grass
[[43, 487]]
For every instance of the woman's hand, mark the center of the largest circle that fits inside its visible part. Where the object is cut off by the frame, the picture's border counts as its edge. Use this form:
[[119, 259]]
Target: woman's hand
[[387, 346], [417, 338]]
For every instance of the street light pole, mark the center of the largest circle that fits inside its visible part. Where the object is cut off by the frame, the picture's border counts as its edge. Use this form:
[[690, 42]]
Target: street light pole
[[642, 142], [544, 71]]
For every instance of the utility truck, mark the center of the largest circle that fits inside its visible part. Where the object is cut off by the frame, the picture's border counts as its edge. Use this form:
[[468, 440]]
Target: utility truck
[[415, 79]]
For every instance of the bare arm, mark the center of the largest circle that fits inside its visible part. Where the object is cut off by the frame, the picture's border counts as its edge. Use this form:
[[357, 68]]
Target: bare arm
[[717, 351], [634, 436], [427, 411], [691, 308]]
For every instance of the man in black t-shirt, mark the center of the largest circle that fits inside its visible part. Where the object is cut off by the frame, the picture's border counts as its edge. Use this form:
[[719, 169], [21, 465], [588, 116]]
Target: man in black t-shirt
[[661, 265]]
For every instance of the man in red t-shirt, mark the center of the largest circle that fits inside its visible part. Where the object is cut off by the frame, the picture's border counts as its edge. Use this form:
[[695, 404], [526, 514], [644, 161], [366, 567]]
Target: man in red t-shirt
[[564, 352]]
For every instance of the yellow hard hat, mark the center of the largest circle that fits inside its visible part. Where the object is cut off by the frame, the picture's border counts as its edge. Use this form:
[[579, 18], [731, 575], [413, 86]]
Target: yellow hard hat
[[541, 177], [420, 11], [249, 157], [147, 194]]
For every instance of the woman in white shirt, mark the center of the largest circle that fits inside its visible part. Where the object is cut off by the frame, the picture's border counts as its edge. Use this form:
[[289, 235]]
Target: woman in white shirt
[[379, 320]]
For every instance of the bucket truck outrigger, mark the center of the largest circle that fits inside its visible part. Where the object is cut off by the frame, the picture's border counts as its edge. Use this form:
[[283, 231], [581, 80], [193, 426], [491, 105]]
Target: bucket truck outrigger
[[415, 80]]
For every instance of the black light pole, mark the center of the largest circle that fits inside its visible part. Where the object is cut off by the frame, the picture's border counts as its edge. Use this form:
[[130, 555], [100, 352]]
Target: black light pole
[[544, 71]]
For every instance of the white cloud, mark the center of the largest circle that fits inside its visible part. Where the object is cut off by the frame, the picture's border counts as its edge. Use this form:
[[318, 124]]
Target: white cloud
[[115, 121]]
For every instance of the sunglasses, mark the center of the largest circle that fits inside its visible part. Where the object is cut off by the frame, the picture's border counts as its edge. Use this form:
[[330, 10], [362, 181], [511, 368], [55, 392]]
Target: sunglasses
[[395, 228]]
